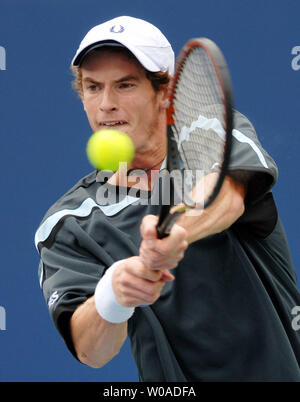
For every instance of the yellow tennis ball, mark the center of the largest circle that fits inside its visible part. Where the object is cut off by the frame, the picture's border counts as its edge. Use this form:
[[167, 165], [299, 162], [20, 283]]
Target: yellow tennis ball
[[107, 148]]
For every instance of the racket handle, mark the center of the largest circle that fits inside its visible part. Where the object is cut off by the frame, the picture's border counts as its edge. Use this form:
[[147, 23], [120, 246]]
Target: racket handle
[[164, 228]]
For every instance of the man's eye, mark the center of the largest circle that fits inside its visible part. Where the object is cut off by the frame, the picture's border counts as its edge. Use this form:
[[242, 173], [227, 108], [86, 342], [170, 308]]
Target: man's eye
[[93, 87], [126, 85]]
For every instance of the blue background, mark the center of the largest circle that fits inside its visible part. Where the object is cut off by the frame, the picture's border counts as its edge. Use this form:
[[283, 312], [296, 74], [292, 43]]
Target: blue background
[[44, 132]]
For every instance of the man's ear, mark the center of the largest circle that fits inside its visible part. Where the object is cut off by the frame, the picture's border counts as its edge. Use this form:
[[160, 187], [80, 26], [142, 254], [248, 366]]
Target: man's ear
[[164, 104]]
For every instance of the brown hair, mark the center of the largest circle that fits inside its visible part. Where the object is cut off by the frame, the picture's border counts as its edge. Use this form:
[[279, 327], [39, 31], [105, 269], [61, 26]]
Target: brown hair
[[159, 80]]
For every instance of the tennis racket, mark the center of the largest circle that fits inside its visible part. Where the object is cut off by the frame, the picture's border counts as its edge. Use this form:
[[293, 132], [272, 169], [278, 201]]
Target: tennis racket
[[200, 121]]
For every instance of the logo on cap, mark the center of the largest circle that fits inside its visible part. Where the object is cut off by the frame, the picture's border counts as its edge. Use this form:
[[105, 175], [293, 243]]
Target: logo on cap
[[117, 29]]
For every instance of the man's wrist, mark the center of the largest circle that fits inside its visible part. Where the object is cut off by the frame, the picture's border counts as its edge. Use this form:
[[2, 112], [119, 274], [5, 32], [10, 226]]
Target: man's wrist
[[106, 302]]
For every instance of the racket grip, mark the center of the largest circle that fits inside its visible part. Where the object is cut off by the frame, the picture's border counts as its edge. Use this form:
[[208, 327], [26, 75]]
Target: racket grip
[[161, 232], [164, 229]]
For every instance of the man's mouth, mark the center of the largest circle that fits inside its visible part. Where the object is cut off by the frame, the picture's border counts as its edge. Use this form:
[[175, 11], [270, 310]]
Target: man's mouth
[[113, 123]]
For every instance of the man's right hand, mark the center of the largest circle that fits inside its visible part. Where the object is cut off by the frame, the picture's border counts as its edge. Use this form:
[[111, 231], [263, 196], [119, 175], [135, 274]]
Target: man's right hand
[[139, 280], [135, 284]]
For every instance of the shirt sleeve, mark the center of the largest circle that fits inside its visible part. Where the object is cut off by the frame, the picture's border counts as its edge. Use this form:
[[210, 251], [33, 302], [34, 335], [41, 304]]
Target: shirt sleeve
[[249, 156], [69, 270], [251, 164]]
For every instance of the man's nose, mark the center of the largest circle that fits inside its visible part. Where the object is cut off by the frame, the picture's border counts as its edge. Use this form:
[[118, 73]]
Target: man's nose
[[108, 101]]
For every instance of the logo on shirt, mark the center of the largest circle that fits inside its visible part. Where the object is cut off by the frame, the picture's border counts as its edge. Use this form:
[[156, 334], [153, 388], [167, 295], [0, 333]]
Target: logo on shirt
[[53, 298]]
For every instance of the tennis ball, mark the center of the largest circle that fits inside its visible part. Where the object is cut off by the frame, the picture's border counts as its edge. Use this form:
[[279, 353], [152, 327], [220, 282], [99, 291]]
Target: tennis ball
[[107, 148]]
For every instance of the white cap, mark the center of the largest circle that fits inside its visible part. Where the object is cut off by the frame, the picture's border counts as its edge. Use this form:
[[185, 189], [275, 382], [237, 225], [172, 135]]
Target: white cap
[[143, 39]]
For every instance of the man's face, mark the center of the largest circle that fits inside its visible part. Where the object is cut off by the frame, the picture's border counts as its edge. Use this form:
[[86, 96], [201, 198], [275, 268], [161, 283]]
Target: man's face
[[117, 94]]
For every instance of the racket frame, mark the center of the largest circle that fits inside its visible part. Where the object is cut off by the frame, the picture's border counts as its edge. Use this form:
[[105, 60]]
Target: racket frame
[[166, 220]]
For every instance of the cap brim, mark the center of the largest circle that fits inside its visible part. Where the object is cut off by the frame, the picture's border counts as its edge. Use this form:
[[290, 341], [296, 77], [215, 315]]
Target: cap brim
[[78, 59]]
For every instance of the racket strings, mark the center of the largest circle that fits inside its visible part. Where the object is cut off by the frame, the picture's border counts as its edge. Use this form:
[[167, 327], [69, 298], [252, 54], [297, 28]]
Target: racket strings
[[199, 114]]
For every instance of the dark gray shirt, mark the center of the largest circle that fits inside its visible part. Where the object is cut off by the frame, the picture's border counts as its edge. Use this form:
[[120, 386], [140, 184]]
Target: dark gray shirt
[[226, 317]]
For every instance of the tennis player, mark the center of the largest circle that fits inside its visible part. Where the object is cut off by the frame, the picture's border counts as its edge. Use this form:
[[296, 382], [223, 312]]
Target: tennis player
[[211, 302]]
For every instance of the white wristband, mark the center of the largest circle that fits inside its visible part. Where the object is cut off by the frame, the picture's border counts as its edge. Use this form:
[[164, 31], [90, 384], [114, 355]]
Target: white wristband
[[105, 299]]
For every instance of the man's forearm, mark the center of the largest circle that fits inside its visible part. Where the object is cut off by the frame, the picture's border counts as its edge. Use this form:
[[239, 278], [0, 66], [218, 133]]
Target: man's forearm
[[220, 215], [96, 341]]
